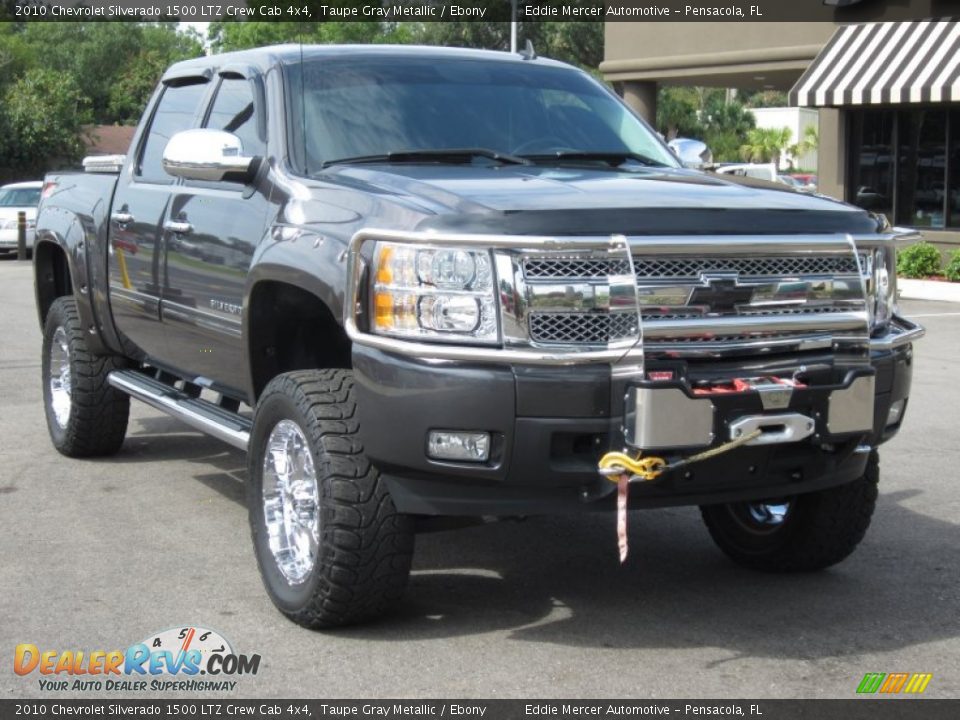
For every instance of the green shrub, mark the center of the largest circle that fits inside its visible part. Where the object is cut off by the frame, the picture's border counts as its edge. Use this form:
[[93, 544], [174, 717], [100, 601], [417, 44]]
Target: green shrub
[[952, 271], [918, 261]]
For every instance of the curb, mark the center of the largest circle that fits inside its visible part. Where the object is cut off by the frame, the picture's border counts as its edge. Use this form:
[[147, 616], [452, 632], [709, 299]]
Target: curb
[[928, 290]]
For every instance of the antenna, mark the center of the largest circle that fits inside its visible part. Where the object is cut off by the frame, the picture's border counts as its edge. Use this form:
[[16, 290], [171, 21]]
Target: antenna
[[528, 53]]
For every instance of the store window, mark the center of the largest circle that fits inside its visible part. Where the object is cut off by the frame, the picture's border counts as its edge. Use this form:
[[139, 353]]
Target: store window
[[906, 165], [872, 177], [953, 170], [921, 168]]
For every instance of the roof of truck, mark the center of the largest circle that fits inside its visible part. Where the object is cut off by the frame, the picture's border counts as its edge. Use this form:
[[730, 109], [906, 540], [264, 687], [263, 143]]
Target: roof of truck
[[264, 58]]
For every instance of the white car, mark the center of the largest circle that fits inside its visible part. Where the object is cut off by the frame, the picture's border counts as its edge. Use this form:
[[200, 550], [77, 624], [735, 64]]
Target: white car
[[761, 171], [15, 197]]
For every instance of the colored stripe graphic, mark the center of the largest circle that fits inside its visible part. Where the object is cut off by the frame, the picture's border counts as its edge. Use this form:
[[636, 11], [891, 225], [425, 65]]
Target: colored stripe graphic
[[894, 682], [871, 682], [918, 682], [913, 683]]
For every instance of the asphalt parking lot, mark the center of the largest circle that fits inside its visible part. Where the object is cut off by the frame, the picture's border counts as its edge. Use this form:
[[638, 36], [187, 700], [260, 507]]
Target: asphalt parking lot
[[101, 554]]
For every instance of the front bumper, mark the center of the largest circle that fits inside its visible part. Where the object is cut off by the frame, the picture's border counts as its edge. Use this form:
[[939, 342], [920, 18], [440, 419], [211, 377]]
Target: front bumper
[[550, 425]]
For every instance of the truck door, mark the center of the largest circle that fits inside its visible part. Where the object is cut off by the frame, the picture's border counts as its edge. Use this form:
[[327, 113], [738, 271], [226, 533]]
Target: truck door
[[211, 232], [139, 206]]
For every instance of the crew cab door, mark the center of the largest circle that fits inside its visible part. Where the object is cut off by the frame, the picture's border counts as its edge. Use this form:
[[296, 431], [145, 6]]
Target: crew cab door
[[211, 230], [140, 202]]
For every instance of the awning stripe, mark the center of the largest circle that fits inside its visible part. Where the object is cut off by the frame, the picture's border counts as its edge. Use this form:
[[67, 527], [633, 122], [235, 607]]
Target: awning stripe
[[921, 48], [939, 88], [859, 68], [920, 89], [898, 55], [884, 63], [872, 59], [830, 54], [953, 83]]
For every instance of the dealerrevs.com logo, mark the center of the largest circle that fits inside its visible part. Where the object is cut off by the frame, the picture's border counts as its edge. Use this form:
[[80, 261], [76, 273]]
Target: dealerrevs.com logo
[[172, 660]]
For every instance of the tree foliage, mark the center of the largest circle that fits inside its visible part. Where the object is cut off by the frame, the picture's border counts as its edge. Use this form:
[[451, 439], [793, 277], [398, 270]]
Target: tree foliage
[[43, 113], [56, 77], [808, 143], [766, 144], [704, 114], [579, 43]]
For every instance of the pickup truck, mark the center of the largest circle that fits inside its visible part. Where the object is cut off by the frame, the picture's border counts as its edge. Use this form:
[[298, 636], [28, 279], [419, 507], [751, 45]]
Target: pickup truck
[[420, 286]]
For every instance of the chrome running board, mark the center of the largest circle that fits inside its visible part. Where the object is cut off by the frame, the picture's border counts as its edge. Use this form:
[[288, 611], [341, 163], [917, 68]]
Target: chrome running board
[[222, 424]]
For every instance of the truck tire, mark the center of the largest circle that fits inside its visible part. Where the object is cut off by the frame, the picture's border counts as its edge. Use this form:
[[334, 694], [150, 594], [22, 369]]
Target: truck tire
[[86, 417], [331, 547], [799, 534]]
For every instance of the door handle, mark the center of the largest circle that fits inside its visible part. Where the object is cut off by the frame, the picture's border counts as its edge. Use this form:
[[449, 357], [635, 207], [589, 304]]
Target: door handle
[[122, 218], [179, 228]]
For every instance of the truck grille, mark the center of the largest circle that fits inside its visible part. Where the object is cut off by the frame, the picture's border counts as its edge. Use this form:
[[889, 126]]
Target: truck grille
[[692, 268], [722, 293], [581, 328], [566, 268], [667, 269]]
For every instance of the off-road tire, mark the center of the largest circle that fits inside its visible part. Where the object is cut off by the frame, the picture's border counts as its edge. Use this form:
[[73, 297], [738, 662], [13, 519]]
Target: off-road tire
[[97, 422], [365, 546], [820, 528]]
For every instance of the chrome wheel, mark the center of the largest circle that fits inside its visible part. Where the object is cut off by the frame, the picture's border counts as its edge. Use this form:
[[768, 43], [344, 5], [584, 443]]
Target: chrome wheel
[[291, 501], [768, 514], [60, 380]]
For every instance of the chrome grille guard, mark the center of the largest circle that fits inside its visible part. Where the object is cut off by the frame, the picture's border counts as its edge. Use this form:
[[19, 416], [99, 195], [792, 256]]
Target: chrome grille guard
[[562, 285]]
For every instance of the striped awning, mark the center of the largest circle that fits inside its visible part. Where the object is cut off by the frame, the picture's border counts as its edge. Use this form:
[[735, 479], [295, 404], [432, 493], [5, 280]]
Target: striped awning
[[884, 63]]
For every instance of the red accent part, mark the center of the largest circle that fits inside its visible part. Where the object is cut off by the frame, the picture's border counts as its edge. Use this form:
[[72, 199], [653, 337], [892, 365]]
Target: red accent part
[[48, 188], [623, 485], [742, 385], [658, 375]]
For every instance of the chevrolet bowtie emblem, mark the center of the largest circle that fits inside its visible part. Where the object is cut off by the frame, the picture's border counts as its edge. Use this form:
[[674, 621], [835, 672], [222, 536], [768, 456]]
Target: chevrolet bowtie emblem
[[721, 294]]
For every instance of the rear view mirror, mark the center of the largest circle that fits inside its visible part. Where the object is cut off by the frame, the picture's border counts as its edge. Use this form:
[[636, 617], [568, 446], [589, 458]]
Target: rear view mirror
[[206, 154], [692, 153]]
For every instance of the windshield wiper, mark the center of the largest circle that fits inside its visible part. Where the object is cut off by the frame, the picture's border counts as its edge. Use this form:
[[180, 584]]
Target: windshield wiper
[[614, 158], [455, 156]]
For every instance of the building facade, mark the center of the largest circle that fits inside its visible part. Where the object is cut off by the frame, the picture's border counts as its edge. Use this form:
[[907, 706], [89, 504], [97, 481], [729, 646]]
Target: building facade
[[888, 96]]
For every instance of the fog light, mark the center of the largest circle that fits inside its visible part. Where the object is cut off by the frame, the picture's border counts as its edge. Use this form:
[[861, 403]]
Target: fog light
[[458, 445], [895, 412]]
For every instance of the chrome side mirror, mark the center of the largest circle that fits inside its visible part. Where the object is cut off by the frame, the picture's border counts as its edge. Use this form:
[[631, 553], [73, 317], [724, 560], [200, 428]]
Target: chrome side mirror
[[692, 153], [206, 154]]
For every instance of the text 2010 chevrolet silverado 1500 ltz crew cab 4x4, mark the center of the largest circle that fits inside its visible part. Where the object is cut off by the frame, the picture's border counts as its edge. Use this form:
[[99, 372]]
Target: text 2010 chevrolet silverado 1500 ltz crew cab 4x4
[[463, 283]]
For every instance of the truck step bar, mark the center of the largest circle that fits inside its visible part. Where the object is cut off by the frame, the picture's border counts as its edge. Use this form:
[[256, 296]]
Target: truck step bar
[[211, 419]]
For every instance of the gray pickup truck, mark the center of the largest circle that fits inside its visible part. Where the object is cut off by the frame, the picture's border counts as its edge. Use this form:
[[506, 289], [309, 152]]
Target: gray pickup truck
[[423, 282]]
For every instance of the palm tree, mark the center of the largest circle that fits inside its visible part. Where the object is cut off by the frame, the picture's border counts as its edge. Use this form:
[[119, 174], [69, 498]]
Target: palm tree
[[809, 143], [766, 144]]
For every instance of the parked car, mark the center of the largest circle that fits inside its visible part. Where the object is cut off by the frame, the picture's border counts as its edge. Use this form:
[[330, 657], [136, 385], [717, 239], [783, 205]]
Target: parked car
[[469, 280], [14, 198], [760, 171]]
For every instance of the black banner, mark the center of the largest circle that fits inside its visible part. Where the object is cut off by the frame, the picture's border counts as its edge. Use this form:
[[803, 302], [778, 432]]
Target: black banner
[[189, 709], [477, 10]]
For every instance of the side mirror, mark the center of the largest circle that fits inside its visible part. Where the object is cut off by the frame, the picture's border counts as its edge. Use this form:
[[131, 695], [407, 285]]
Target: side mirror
[[692, 153], [206, 154]]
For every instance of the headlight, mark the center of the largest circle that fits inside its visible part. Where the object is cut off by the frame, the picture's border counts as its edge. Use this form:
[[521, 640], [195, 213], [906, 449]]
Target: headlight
[[423, 292], [881, 280]]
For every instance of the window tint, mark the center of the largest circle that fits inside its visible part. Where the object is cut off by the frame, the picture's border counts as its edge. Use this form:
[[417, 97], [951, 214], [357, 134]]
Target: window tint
[[20, 197], [177, 109], [361, 106], [234, 111]]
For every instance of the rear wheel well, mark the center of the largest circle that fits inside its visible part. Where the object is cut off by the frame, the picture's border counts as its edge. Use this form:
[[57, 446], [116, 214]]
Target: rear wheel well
[[292, 329], [52, 272]]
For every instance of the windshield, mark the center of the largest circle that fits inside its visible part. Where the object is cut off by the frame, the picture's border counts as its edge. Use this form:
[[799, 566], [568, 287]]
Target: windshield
[[370, 106], [20, 197]]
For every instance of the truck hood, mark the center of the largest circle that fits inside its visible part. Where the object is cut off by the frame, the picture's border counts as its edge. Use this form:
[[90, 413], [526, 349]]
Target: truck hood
[[551, 200]]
